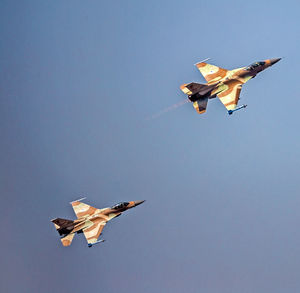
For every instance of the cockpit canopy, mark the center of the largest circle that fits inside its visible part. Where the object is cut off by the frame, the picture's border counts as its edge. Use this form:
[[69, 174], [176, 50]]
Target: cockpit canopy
[[120, 205], [254, 65]]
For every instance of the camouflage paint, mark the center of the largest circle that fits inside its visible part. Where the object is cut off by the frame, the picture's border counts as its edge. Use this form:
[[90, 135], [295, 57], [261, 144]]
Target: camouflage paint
[[225, 84], [90, 221]]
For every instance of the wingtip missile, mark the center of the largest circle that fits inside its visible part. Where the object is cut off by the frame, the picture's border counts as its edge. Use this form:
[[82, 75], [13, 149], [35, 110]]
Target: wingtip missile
[[80, 199], [202, 61], [97, 242], [236, 109]]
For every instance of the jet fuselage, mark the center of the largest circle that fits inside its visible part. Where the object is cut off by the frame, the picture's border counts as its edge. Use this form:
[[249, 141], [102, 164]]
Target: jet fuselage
[[239, 75], [106, 214]]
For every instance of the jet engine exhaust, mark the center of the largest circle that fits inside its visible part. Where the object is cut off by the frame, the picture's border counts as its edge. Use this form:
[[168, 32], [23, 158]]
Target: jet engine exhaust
[[173, 107]]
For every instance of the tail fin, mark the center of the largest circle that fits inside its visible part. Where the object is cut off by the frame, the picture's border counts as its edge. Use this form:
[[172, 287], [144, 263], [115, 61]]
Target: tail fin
[[60, 223]]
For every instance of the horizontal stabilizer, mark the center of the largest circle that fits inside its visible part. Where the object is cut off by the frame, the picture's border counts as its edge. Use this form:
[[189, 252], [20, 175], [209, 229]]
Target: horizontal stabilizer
[[200, 105], [67, 240]]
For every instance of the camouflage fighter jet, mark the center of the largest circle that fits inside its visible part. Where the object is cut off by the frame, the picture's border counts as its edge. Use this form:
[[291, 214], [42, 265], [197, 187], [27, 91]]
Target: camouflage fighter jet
[[226, 84], [90, 221]]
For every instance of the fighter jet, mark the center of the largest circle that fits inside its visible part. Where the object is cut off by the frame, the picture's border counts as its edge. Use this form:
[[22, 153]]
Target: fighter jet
[[90, 221], [223, 83]]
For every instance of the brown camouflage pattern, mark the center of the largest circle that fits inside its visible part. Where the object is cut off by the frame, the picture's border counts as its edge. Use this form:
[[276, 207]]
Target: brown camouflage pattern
[[200, 105], [90, 221], [223, 83]]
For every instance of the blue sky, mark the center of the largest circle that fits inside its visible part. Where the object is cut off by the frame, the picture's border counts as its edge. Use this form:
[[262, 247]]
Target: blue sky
[[78, 81]]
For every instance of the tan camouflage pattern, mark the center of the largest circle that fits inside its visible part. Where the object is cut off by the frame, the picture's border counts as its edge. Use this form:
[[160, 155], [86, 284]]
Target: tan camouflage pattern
[[211, 73], [90, 221], [186, 90], [82, 210], [67, 240], [231, 95], [227, 83], [92, 233]]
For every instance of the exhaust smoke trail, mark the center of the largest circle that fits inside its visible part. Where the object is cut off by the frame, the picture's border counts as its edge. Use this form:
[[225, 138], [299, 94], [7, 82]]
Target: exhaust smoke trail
[[173, 107]]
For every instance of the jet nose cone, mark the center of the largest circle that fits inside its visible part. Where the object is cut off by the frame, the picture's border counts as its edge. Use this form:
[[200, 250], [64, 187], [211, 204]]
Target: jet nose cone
[[273, 61], [136, 203]]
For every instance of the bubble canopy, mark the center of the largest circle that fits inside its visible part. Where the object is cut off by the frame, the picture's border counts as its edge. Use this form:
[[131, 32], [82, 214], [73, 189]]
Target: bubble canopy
[[254, 65], [120, 205]]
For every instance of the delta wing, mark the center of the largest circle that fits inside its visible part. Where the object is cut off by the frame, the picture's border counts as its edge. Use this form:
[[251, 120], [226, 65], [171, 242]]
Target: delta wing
[[83, 210], [211, 72], [230, 95]]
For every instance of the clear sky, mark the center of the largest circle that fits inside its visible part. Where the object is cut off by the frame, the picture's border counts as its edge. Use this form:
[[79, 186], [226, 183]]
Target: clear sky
[[78, 80]]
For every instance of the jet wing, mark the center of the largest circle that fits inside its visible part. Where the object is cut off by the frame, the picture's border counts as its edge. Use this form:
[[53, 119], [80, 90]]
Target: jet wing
[[93, 232], [211, 73], [230, 96], [83, 210]]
